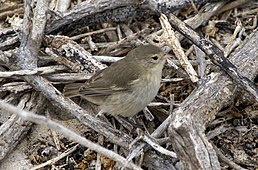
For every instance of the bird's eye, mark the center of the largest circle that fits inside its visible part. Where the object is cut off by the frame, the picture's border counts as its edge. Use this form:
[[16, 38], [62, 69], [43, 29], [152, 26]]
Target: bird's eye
[[155, 57]]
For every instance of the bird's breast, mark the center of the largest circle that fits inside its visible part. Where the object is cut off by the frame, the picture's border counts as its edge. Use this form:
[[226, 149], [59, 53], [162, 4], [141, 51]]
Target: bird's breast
[[141, 93]]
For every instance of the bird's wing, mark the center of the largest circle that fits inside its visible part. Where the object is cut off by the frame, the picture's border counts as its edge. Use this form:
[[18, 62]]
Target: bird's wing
[[113, 79], [72, 90]]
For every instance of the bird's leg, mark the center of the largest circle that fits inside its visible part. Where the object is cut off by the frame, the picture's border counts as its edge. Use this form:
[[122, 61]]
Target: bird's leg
[[100, 113], [124, 122], [131, 121]]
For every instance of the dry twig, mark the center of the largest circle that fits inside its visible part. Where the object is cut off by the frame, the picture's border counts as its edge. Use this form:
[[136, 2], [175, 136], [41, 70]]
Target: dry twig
[[29, 116]]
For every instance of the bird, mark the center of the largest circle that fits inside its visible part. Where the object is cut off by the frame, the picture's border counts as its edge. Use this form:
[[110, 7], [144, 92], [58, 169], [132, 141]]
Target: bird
[[126, 86]]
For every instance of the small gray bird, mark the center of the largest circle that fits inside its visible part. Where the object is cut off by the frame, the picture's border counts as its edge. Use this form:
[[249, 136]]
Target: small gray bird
[[127, 86]]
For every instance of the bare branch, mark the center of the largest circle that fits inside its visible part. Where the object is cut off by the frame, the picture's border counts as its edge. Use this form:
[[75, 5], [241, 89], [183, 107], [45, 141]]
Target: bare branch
[[29, 116]]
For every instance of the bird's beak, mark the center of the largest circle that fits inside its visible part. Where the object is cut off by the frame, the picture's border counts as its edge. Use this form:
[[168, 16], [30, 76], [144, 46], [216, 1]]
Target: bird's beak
[[166, 56]]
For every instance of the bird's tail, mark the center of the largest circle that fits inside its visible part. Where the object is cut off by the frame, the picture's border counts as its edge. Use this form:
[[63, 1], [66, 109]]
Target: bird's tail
[[72, 90]]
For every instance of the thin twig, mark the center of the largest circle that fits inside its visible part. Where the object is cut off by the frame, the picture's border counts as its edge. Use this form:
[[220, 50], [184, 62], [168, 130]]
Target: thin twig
[[173, 42], [159, 148], [214, 54], [29, 116], [54, 160], [226, 160], [92, 33], [36, 71], [155, 134]]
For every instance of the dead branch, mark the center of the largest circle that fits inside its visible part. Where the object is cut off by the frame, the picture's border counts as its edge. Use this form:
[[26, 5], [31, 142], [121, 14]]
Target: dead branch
[[13, 130], [30, 116], [215, 54], [38, 71], [29, 46], [102, 11], [213, 94], [186, 125]]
